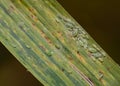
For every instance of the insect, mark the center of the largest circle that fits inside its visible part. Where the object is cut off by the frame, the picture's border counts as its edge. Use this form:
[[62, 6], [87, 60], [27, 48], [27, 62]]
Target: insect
[[81, 37], [28, 46], [75, 32], [68, 25], [95, 46], [92, 50], [57, 46], [103, 53], [97, 54], [100, 75], [49, 53]]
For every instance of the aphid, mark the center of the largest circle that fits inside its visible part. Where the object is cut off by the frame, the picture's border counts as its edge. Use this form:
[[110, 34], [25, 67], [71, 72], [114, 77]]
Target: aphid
[[87, 37], [92, 50], [57, 20], [103, 53], [100, 75], [42, 47], [85, 46], [70, 72], [94, 59], [60, 17], [97, 54], [78, 36], [28, 46], [81, 43], [49, 53], [11, 6], [3, 23], [14, 45], [57, 46], [67, 20], [82, 35], [63, 69], [95, 46], [77, 27], [20, 24], [29, 57], [85, 41], [75, 32], [79, 30], [11, 9], [68, 25], [14, 31], [83, 31], [101, 60]]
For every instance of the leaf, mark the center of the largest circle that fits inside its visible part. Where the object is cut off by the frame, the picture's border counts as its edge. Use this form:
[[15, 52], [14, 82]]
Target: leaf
[[53, 46]]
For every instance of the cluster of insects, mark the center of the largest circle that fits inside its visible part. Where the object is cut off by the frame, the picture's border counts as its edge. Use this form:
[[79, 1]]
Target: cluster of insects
[[82, 38]]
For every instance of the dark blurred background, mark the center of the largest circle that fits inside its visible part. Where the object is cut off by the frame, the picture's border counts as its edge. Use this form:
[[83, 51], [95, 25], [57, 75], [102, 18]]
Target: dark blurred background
[[100, 18]]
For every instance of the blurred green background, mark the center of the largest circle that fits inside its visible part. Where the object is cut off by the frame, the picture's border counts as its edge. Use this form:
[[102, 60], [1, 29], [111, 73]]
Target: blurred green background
[[100, 18]]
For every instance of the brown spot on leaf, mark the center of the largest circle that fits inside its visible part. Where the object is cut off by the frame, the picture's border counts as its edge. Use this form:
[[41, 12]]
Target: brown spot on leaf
[[70, 59], [34, 17], [32, 11], [78, 54], [48, 40], [42, 47], [11, 6], [59, 33], [33, 24], [11, 9]]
